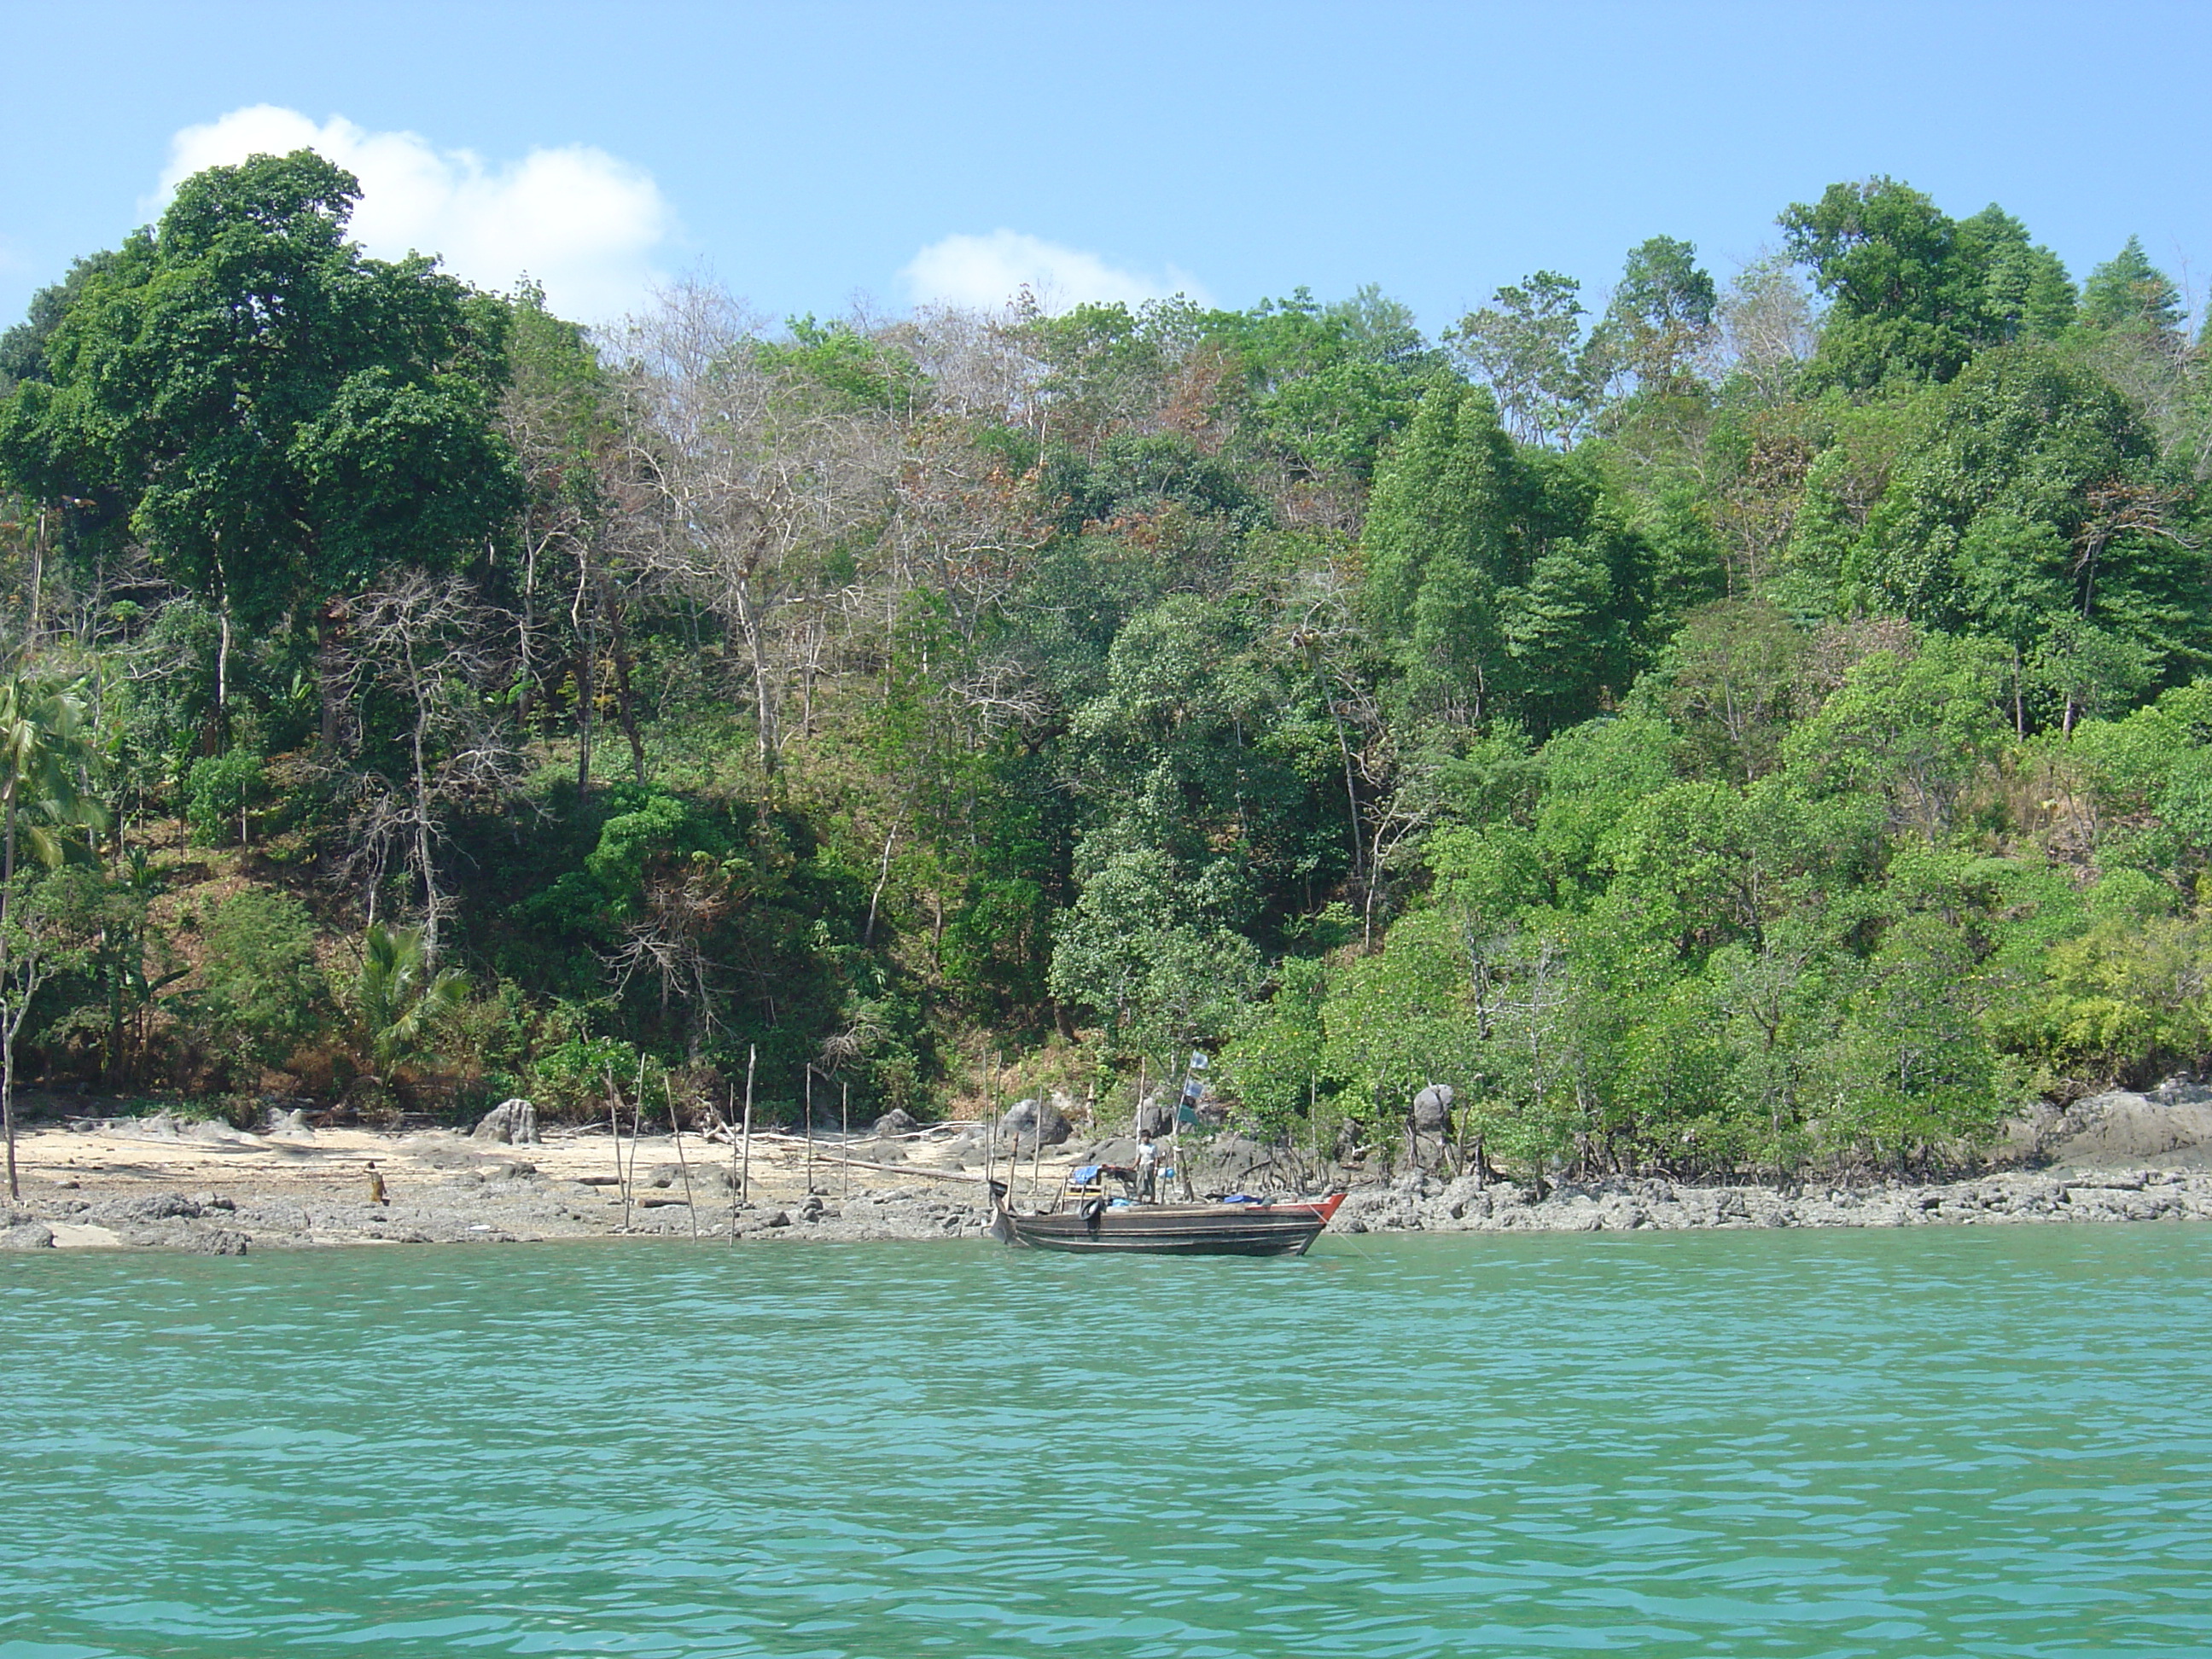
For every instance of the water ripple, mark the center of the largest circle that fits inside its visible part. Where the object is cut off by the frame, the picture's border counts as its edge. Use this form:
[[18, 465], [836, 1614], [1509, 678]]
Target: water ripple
[[1933, 1442]]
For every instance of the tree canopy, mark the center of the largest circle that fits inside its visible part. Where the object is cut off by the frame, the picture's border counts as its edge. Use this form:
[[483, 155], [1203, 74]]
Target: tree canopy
[[1717, 723]]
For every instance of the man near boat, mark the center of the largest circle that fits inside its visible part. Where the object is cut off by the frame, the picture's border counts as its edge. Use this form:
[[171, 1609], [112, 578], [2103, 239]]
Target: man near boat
[[1148, 1167]]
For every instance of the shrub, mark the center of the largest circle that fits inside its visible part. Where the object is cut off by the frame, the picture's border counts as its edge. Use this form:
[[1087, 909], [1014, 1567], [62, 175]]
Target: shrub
[[260, 987], [221, 791]]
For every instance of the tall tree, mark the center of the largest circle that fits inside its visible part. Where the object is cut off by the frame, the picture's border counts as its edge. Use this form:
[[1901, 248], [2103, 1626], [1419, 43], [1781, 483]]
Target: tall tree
[[282, 416], [1660, 320], [44, 754], [1915, 294], [1527, 345], [2128, 292]]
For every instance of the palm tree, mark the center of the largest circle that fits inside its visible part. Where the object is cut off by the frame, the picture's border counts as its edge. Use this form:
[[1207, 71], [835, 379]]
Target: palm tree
[[46, 753], [399, 997]]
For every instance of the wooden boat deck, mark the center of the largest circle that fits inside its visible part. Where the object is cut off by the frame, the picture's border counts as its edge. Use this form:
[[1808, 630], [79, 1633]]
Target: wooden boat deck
[[1275, 1229]]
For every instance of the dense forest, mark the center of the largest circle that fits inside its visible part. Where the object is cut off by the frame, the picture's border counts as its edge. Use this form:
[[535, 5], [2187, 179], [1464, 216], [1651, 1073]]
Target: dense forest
[[1758, 725]]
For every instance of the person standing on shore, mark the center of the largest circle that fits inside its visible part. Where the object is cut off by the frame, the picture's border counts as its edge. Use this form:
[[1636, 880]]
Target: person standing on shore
[[1148, 1167], [376, 1195]]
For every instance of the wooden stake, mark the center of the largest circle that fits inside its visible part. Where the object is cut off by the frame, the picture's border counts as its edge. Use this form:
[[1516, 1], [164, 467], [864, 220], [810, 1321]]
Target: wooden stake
[[745, 1176], [809, 1128], [845, 1134], [614, 1124], [676, 1128], [637, 1120], [732, 1098], [991, 1112], [1036, 1158], [1313, 1120]]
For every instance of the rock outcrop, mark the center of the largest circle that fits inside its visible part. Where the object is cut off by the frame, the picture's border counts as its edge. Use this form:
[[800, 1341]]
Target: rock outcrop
[[1027, 1121], [1432, 1109], [510, 1123], [2173, 1126], [1428, 1205]]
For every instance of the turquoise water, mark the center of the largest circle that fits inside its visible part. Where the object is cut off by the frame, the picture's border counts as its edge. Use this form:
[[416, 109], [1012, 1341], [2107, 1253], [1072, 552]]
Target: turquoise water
[[1946, 1441]]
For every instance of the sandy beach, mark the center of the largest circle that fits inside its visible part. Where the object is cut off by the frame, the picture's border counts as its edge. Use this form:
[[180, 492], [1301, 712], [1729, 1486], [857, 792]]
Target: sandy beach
[[164, 1183], [170, 1183]]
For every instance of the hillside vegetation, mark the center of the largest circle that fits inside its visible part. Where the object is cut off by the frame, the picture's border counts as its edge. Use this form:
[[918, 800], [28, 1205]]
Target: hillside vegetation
[[1716, 726]]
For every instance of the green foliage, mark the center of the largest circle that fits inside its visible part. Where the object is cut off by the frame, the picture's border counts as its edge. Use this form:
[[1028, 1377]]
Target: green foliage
[[2032, 505], [848, 364], [2119, 1003], [261, 990], [367, 386], [1661, 317], [221, 793], [2129, 293], [400, 998], [1329, 385], [47, 758], [1716, 736], [1527, 345], [1150, 957], [1914, 293]]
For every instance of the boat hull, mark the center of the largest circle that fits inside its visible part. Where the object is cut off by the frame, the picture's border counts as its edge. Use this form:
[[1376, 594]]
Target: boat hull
[[1174, 1229]]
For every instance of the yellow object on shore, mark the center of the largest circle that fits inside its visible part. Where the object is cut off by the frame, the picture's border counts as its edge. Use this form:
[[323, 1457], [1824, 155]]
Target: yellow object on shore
[[376, 1186]]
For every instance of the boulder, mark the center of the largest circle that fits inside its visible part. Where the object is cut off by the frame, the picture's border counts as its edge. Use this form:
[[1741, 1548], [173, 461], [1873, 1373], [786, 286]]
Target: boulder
[[895, 1122], [1432, 1109], [1230, 1163], [1154, 1114], [214, 1241], [143, 1210], [27, 1235], [1026, 1121], [510, 1123], [2123, 1127]]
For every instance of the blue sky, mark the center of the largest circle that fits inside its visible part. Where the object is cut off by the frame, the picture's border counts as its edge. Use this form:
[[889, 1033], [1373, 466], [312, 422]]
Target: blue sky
[[807, 154]]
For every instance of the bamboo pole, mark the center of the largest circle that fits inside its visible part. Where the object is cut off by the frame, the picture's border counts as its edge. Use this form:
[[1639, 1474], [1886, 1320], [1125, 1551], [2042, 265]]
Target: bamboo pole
[[991, 1115], [1037, 1157], [809, 1128], [845, 1135], [745, 1176], [732, 1099], [676, 1128], [614, 1125], [637, 1121], [1313, 1120]]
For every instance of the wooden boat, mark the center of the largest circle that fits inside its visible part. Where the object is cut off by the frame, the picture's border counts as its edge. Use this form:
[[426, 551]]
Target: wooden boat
[[1096, 1224]]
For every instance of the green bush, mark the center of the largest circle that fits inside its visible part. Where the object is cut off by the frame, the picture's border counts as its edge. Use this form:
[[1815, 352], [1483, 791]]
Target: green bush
[[260, 987], [220, 793]]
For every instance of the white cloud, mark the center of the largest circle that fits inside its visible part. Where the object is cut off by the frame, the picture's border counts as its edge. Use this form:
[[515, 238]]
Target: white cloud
[[574, 218], [985, 273]]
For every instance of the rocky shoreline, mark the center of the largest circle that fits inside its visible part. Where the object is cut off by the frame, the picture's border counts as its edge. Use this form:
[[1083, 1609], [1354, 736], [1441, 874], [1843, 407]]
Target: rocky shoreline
[[171, 1185], [1465, 1206], [511, 1208]]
